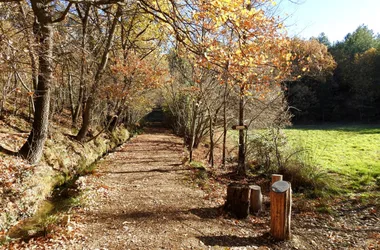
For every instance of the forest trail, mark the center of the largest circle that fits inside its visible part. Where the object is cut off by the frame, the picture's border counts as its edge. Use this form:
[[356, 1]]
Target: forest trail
[[141, 198]]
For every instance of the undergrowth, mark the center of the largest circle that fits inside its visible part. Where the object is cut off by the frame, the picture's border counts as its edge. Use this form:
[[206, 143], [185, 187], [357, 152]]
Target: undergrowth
[[269, 152]]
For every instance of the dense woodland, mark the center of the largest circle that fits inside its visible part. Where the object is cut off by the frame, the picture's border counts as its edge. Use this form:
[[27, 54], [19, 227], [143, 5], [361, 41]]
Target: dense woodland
[[348, 93]]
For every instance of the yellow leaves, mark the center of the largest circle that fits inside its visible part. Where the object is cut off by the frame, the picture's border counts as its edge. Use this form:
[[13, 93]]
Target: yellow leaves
[[247, 40], [288, 56]]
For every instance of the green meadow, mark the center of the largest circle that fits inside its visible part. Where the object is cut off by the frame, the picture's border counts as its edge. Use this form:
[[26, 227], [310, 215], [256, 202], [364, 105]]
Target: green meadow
[[351, 153]]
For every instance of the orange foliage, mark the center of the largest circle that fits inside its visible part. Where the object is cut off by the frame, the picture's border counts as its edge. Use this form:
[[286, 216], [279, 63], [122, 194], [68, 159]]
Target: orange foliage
[[133, 76], [243, 42]]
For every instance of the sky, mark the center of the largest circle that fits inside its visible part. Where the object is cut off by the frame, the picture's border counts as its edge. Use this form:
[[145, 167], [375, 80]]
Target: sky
[[336, 18]]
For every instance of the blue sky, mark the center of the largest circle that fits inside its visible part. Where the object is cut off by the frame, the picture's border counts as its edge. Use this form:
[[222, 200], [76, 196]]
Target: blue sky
[[334, 17]]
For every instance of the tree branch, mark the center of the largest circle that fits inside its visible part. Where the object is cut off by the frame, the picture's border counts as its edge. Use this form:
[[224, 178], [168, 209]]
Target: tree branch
[[64, 13]]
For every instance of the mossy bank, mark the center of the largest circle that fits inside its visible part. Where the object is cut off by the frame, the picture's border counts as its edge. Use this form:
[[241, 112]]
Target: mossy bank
[[64, 158]]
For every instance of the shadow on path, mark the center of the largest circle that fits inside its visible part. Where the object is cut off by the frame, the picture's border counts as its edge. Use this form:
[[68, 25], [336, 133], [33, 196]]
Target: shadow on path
[[235, 241]]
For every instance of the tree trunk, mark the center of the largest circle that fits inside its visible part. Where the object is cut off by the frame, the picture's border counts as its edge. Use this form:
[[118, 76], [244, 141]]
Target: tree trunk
[[192, 130], [31, 50], [224, 125], [87, 116], [241, 154], [88, 109], [82, 81], [33, 147], [71, 94], [211, 128]]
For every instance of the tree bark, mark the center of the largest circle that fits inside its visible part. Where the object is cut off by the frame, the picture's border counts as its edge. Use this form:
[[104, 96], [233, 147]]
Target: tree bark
[[211, 128], [33, 147], [241, 154], [224, 125], [31, 50], [192, 130], [87, 115], [82, 81]]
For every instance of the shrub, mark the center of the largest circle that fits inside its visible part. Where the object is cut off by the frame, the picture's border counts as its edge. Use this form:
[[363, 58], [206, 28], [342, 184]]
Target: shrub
[[269, 152]]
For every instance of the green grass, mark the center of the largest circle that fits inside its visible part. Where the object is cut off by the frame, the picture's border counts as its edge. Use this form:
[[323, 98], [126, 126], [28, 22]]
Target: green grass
[[350, 152]]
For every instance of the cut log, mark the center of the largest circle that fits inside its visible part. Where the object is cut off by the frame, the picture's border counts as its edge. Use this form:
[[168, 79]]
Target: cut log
[[238, 200], [280, 210], [256, 199]]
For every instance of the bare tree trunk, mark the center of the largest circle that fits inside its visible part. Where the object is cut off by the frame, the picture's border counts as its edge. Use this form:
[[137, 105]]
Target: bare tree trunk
[[31, 50], [82, 82], [241, 154], [71, 94], [211, 128], [5, 90], [87, 115], [33, 147], [224, 125], [192, 129]]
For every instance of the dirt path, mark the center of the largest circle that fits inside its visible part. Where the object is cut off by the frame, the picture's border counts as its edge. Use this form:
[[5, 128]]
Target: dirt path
[[142, 197], [142, 200]]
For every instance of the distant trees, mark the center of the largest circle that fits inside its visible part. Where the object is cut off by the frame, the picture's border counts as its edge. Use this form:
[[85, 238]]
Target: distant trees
[[355, 77], [313, 80], [351, 93]]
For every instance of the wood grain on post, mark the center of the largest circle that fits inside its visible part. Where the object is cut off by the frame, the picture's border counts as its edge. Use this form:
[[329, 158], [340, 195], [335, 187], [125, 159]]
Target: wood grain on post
[[276, 177], [256, 199], [238, 200], [280, 209]]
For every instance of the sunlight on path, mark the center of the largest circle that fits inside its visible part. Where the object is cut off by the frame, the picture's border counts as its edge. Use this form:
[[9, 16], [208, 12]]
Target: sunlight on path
[[142, 199]]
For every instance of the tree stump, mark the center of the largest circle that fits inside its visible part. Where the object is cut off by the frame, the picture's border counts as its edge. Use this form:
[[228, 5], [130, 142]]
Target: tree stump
[[238, 200], [280, 210], [256, 199]]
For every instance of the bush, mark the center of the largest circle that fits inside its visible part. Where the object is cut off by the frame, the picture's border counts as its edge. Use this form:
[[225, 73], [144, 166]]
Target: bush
[[263, 150], [269, 152]]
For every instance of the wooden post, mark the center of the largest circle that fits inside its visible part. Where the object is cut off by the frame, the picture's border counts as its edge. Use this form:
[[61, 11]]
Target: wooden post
[[238, 200], [280, 210], [276, 177], [256, 199]]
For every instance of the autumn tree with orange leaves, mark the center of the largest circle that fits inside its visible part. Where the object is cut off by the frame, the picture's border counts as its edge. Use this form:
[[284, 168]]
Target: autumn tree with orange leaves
[[246, 46]]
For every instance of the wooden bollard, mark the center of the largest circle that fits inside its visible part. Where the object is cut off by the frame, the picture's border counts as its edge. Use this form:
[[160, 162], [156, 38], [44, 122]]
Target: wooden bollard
[[276, 177], [238, 200], [280, 210], [256, 199]]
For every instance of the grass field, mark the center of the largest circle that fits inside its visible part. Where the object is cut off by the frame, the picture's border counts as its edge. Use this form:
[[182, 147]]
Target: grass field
[[352, 152]]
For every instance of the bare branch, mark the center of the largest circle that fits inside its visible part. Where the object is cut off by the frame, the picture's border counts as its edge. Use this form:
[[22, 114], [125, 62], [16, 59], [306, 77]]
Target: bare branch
[[64, 13]]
